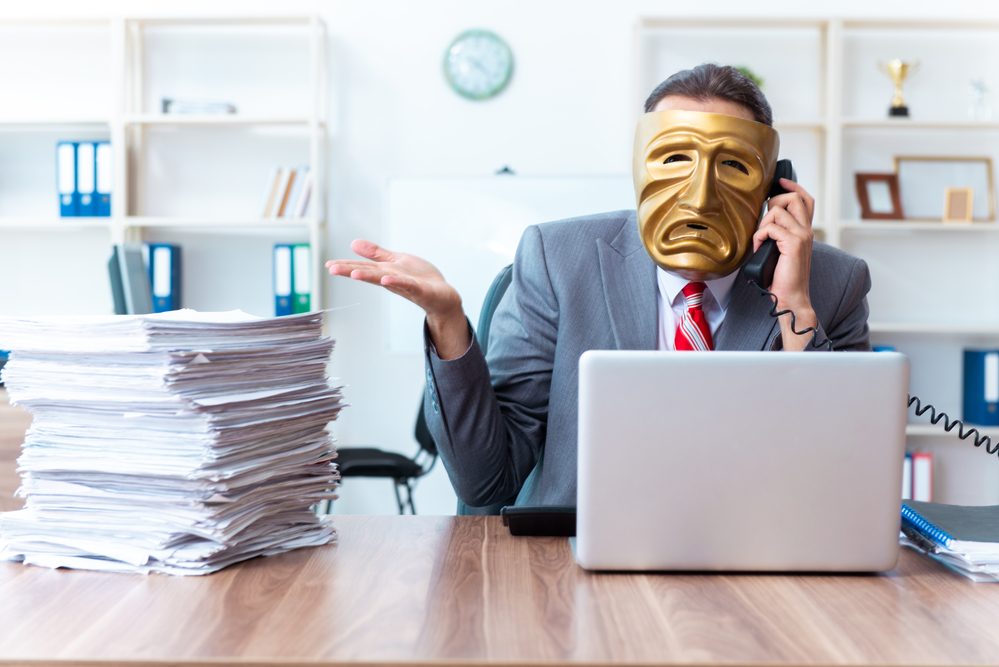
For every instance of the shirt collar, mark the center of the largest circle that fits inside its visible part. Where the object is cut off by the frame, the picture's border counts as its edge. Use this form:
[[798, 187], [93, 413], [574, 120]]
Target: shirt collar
[[721, 288]]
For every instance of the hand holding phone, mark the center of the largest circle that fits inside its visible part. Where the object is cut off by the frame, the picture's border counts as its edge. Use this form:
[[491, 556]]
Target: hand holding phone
[[786, 227], [761, 266]]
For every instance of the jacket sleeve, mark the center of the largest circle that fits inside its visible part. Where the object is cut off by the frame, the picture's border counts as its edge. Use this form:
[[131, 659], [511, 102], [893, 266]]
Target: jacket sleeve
[[844, 320], [489, 421]]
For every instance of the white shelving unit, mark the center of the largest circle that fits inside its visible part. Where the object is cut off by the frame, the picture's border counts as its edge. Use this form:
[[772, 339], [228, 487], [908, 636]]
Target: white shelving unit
[[933, 431], [933, 291], [128, 122]]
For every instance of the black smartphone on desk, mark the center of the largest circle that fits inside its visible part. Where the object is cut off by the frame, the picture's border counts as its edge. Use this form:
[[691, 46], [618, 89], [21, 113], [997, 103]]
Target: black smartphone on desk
[[541, 520]]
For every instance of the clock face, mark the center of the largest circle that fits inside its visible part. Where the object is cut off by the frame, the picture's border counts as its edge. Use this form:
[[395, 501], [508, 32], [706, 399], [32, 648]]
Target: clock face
[[478, 64]]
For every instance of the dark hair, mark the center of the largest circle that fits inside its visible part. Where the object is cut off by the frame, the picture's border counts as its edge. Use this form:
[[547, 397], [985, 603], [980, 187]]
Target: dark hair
[[715, 82]]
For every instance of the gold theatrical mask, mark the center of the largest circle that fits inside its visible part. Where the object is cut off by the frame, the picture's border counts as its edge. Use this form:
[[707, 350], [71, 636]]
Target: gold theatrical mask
[[701, 180]]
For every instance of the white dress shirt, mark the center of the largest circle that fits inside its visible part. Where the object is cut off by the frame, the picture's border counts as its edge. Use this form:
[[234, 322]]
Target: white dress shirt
[[672, 305]]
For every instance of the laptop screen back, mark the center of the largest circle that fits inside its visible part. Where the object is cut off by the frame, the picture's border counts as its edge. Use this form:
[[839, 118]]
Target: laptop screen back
[[740, 460]]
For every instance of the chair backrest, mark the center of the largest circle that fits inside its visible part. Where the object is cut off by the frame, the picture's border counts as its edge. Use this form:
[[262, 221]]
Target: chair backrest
[[493, 296], [422, 433]]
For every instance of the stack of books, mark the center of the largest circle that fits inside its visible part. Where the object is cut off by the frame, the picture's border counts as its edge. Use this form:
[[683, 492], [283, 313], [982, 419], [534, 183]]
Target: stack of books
[[287, 193], [964, 538], [176, 443]]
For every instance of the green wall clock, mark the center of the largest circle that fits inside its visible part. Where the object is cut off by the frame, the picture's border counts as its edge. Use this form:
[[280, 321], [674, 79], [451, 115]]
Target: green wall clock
[[478, 64]]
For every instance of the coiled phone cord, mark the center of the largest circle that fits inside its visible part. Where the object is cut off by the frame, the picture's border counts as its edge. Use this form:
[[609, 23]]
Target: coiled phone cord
[[773, 313], [949, 424], [935, 417]]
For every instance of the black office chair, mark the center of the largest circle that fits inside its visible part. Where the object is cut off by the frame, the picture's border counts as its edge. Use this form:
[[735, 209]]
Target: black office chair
[[374, 462], [404, 471]]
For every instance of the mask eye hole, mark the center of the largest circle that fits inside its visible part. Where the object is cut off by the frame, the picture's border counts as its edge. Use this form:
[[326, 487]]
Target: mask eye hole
[[679, 157], [735, 164]]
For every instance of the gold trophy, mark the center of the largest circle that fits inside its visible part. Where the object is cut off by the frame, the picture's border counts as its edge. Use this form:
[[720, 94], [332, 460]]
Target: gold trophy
[[898, 70]]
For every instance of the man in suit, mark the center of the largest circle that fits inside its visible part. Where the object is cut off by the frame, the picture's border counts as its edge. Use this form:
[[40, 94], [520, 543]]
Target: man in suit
[[506, 429]]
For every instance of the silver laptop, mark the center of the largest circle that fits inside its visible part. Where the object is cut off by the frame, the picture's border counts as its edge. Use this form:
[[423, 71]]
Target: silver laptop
[[740, 461]]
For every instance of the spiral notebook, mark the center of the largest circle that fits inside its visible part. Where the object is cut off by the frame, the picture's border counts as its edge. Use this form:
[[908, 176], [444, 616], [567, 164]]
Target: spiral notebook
[[965, 538]]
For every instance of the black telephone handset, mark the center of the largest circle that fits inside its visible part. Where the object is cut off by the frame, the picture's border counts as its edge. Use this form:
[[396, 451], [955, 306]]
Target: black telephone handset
[[760, 267]]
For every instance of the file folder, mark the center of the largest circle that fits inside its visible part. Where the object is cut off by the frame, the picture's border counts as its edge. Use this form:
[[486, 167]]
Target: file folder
[[282, 280], [117, 290], [136, 292], [164, 276], [922, 476], [86, 184], [981, 387], [301, 283], [103, 177], [66, 179], [907, 478]]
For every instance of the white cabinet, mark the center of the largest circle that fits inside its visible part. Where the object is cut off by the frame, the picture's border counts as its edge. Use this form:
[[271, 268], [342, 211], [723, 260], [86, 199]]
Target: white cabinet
[[935, 286]]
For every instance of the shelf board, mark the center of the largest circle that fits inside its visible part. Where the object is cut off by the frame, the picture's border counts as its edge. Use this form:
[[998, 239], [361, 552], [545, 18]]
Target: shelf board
[[920, 24], [225, 20], [20, 124], [878, 226], [216, 119], [28, 224], [936, 430], [47, 21], [908, 123], [740, 22], [935, 328], [149, 221], [800, 124]]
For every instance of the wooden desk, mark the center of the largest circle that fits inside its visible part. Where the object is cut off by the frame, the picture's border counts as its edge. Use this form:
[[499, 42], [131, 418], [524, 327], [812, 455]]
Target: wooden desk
[[454, 590]]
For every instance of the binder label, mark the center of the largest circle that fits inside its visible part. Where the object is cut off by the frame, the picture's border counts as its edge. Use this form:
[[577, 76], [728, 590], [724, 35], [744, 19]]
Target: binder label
[[992, 377], [303, 270], [162, 265], [85, 169], [282, 271], [103, 162], [66, 158]]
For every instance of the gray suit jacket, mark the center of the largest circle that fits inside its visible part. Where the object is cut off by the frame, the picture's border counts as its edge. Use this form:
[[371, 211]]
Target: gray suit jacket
[[508, 429]]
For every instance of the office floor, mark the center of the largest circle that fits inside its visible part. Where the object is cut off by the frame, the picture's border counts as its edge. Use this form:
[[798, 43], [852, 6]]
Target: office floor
[[13, 423]]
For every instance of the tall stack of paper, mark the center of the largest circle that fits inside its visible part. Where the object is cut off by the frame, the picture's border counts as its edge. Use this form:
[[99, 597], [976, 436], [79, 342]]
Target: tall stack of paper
[[178, 442]]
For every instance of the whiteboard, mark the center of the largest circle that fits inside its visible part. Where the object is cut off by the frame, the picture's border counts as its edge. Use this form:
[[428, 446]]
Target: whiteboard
[[469, 228]]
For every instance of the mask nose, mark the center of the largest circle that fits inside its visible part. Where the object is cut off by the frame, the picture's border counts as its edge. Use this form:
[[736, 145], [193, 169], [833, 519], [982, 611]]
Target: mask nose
[[701, 193]]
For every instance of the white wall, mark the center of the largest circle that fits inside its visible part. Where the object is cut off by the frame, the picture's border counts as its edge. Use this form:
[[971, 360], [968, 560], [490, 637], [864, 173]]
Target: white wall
[[568, 111]]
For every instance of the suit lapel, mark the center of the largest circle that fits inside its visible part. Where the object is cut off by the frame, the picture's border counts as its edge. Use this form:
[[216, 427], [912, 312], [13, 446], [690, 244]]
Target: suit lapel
[[748, 324], [629, 280]]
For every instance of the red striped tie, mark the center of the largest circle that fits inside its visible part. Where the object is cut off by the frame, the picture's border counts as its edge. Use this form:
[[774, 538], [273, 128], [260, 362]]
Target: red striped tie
[[693, 332]]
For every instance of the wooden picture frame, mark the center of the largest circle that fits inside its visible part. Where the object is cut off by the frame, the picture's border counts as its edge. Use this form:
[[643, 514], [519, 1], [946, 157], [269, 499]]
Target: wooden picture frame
[[879, 196], [923, 182], [959, 204]]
